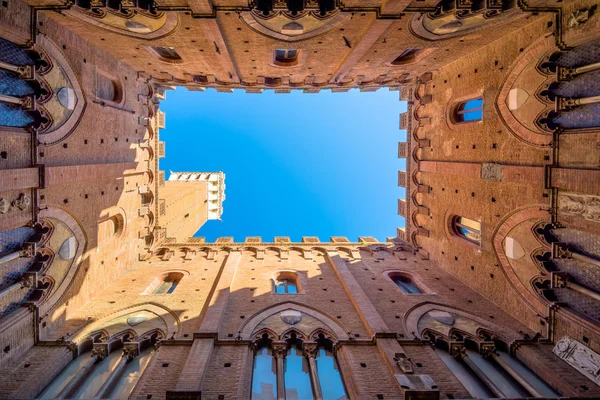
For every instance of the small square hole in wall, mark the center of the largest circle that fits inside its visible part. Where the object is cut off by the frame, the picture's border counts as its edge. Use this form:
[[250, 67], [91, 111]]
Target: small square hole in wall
[[363, 365], [357, 335], [450, 396], [221, 397], [379, 396], [148, 397], [4, 155], [227, 365], [586, 339], [5, 4], [165, 365], [42, 197], [230, 335], [27, 365]]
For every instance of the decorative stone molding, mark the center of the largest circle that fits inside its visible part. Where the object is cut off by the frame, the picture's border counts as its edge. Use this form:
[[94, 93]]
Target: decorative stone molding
[[586, 206], [491, 172], [404, 363], [580, 357]]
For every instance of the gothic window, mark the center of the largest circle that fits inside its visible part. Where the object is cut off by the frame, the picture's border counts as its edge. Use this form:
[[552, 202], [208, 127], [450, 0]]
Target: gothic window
[[107, 88], [467, 229], [405, 284], [285, 286], [168, 54], [296, 5], [330, 378], [285, 57], [264, 375], [305, 369], [296, 376], [407, 56], [326, 6], [100, 366], [469, 110], [266, 6], [491, 373], [168, 283]]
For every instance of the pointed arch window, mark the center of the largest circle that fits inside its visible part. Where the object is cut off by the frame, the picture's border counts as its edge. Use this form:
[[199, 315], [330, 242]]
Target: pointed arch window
[[467, 229], [469, 110], [490, 372], [296, 369]]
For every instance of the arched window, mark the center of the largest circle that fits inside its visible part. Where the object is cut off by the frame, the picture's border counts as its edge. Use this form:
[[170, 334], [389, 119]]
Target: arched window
[[489, 372], [469, 110], [305, 370], [266, 6], [405, 284], [168, 54], [285, 57], [108, 89], [297, 376], [467, 229], [264, 376], [286, 286], [169, 283], [328, 371], [406, 57], [86, 376], [296, 5]]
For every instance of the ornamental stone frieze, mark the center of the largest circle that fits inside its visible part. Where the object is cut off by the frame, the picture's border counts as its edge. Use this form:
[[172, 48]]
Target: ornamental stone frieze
[[586, 206], [580, 357]]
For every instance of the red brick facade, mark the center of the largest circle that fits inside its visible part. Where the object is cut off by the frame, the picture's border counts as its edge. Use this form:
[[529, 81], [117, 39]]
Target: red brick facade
[[90, 233]]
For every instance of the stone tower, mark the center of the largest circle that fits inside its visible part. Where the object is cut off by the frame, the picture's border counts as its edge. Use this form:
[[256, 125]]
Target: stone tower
[[188, 200]]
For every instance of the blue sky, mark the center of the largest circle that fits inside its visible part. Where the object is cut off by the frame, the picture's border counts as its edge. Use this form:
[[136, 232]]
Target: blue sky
[[296, 164]]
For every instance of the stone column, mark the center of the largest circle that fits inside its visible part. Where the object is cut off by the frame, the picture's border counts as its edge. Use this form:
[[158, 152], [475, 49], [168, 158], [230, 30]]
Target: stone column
[[560, 250], [98, 354], [458, 351], [23, 71], [561, 280], [279, 352], [130, 351], [309, 350], [490, 353], [565, 73]]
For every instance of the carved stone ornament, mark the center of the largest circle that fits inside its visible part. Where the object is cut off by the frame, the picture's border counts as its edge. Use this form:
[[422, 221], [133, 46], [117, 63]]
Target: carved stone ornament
[[580, 357], [404, 363], [584, 205], [136, 319], [4, 205], [578, 18], [279, 350], [309, 349], [491, 171], [291, 317], [22, 202]]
